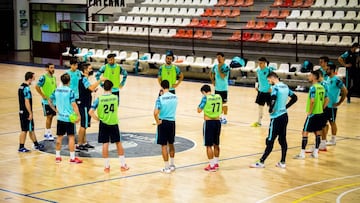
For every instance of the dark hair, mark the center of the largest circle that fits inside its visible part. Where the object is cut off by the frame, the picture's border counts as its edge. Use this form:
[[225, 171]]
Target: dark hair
[[65, 78], [29, 75], [165, 84], [220, 54], [325, 58], [169, 53], [73, 60], [205, 88], [112, 55], [48, 65], [262, 59], [108, 85], [83, 66], [316, 73], [355, 45], [272, 74], [331, 66]]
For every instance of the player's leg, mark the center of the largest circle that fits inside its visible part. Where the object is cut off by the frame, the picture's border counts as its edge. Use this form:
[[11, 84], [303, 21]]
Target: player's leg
[[209, 137], [333, 127], [171, 146]]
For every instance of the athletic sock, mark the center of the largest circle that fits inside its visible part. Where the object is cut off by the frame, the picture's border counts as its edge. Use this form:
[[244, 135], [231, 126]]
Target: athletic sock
[[57, 153], [122, 160], [304, 142], [171, 161], [107, 162], [317, 141], [72, 155]]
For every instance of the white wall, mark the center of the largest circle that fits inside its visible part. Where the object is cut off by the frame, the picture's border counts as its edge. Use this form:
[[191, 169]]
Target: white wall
[[22, 35]]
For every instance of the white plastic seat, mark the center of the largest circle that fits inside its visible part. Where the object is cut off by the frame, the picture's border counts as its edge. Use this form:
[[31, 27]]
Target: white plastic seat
[[329, 3], [324, 26], [302, 26], [288, 39], [150, 10], [276, 38], [316, 14], [147, 2], [348, 27], [327, 14], [180, 2], [160, 21], [319, 4], [106, 29], [283, 70], [178, 21], [171, 2], [314, 26], [159, 11], [249, 67], [310, 39], [137, 20], [294, 14], [321, 40], [135, 10], [273, 65], [130, 30], [144, 20], [199, 11], [292, 25], [153, 21], [191, 12], [115, 30], [129, 19], [340, 4], [133, 56], [174, 11], [188, 2], [167, 11], [96, 56], [333, 41], [121, 19], [341, 72], [346, 41], [299, 38], [336, 27], [350, 15], [182, 12], [122, 30], [163, 32], [357, 29], [305, 14], [196, 2], [104, 55], [172, 32], [143, 10], [185, 21], [138, 31], [121, 56], [155, 32], [353, 4], [281, 25], [339, 15], [212, 2], [169, 21], [357, 17]]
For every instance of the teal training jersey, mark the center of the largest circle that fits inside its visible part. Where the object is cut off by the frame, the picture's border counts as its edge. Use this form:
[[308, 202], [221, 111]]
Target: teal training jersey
[[335, 84], [75, 76], [63, 97], [167, 104], [262, 74], [221, 84], [282, 92]]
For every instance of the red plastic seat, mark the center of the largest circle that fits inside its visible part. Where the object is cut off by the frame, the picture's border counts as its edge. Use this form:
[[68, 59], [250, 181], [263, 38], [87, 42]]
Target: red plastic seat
[[246, 36], [194, 22], [239, 3], [263, 14], [207, 34], [198, 34], [274, 14], [297, 3], [203, 23], [217, 12], [180, 33], [255, 37], [266, 37], [221, 23], [226, 12], [286, 3], [260, 25], [236, 36], [307, 3], [235, 12], [250, 24], [230, 3], [248, 3], [207, 12], [220, 3], [188, 34], [277, 3], [284, 14], [212, 23], [269, 25]]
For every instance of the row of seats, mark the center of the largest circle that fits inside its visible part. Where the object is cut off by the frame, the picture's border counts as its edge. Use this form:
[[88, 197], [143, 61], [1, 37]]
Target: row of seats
[[336, 4], [174, 11], [181, 2], [188, 33], [235, 3], [218, 12], [291, 4], [124, 30], [161, 21], [324, 40], [212, 23], [247, 36], [100, 55], [315, 26], [327, 14], [275, 13], [252, 24]]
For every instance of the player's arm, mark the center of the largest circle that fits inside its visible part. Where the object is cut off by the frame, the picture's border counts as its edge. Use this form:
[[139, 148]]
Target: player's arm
[[312, 102], [293, 100], [341, 60], [157, 111], [343, 95], [224, 72], [181, 77], [39, 85], [92, 87], [212, 76], [201, 105], [124, 74], [51, 102], [272, 102], [99, 72], [93, 115]]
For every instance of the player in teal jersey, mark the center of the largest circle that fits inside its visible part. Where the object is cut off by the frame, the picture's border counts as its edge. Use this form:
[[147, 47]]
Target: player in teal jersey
[[316, 102], [211, 104], [107, 113], [75, 76], [279, 119], [170, 72], [112, 71], [336, 90], [64, 100], [26, 114], [45, 87], [262, 87], [219, 76], [323, 60], [164, 114]]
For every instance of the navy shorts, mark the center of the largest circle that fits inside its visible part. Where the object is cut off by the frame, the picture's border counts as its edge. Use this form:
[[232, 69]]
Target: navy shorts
[[211, 132], [165, 132], [85, 119], [278, 127], [314, 122], [223, 94], [48, 111], [26, 125], [330, 114], [108, 133], [63, 128], [263, 98]]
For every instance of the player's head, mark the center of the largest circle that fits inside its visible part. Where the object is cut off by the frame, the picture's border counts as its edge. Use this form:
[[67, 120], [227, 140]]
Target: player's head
[[355, 47], [169, 57], [29, 77], [86, 68], [331, 68], [165, 84], [65, 79], [220, 57], [323, 60], [111, 58], [50, 68], [205, 89], [73, 63], [108, 85], [314, 76], [262, 62], [272, 78]]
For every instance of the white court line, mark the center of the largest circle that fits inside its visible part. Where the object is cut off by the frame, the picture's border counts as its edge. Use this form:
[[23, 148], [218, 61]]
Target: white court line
[[27, 157], [338, 199], [303, 186]]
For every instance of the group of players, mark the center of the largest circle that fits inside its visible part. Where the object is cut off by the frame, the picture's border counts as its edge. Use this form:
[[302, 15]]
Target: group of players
[[74, 96]]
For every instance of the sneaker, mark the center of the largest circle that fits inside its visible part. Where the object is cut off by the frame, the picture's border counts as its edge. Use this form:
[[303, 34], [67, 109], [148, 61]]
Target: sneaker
[[76, 161], [107, 170], [81, 148], [314, 155], [256, 124], [310, 150], [258, 164], [280, 165], [124, 168], [40, 147], [216, 166], [165, 170], [210, 169], [23, 150], [58, 160], [87, 145], [223, 121], [323, 149], [330, 143], [172, 167], [49, 137], [299, 156]]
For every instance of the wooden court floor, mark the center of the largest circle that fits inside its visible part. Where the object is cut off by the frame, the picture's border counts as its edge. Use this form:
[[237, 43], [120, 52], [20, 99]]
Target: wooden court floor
[[34, 177]]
